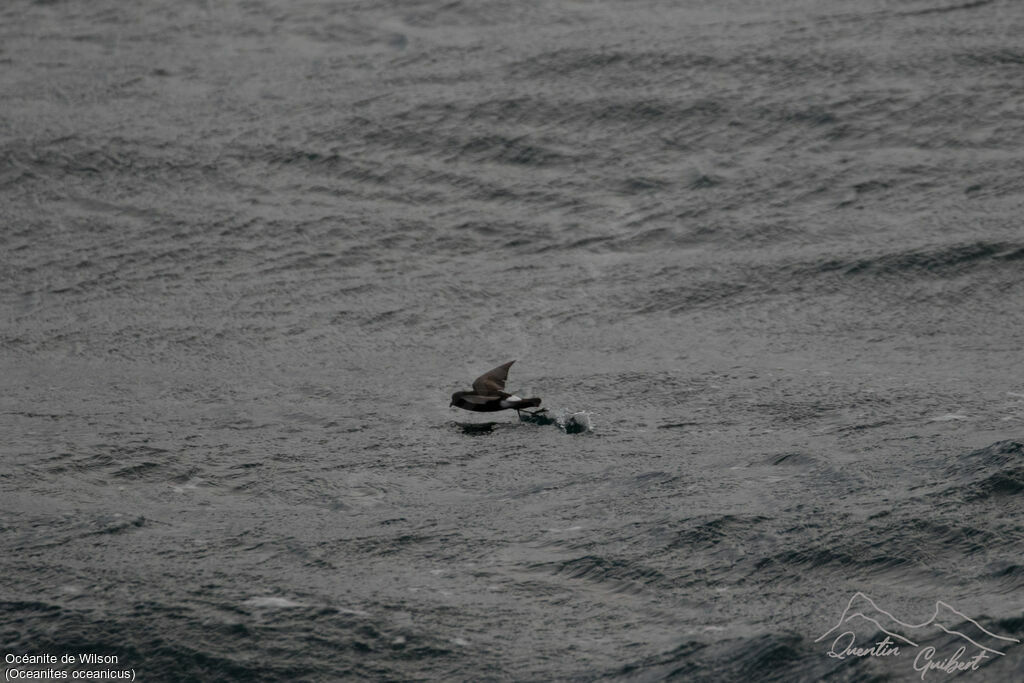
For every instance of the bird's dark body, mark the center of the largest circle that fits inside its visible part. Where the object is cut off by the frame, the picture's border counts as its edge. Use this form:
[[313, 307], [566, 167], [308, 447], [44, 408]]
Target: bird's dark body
[[487, 404], [488, 394]]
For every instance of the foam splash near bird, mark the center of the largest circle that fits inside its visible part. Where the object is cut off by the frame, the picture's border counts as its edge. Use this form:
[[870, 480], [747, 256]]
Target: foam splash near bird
[[578, 422]]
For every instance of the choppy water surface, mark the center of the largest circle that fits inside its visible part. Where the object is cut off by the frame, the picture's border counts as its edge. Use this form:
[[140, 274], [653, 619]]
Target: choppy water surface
[[771, 250]]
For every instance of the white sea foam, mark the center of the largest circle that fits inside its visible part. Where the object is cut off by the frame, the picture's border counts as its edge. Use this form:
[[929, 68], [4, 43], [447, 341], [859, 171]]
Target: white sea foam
[[271, 602], [576, 423], [190, 485]]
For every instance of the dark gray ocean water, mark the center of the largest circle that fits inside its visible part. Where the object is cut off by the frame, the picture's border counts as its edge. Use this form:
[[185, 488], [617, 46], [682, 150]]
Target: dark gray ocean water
[[771, 253]]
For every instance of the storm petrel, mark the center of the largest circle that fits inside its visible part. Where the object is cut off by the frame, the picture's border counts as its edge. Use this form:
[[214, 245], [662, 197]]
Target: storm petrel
[[489, 394]]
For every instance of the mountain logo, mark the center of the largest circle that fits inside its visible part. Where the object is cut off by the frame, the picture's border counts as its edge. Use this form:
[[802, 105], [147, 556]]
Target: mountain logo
[[863, 616]]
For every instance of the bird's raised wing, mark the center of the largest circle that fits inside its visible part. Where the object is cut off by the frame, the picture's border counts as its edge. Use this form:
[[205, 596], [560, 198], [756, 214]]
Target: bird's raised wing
[[492, 383]]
